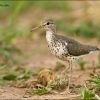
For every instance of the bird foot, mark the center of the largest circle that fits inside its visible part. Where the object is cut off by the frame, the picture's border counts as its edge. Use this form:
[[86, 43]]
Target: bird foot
[[67, 91], [55, 92]]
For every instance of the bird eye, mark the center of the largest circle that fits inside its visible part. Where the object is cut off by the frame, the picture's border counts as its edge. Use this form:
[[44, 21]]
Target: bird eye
[[48, 23]]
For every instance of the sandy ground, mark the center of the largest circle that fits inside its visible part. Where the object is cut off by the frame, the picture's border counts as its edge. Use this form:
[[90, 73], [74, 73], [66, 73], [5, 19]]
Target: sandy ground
[[10, 92], [37, 55]]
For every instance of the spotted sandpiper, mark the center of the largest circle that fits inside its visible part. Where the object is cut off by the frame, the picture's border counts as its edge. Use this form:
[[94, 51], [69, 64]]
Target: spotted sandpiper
[[62, 47]]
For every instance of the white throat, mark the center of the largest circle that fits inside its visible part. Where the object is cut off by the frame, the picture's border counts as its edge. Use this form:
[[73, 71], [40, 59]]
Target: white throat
[[49, 36]]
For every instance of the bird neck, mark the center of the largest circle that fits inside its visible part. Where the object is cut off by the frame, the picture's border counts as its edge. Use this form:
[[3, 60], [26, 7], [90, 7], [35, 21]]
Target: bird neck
[[49, 36]]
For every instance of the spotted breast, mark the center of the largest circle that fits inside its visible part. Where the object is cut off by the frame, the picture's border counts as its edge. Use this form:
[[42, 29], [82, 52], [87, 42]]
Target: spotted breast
[[57, 47]]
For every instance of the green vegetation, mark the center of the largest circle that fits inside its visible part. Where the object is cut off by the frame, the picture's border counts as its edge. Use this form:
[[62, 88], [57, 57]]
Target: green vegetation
[[91, 91], [7, 33], [59, 66], [10, 12], [50, 88], [15, 73], [86, 94], [95, 82], [40, 90], [81, 63], [82, 28], [52, 5]]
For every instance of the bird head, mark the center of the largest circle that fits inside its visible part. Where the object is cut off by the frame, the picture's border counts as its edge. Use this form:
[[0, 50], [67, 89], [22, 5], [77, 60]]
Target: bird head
[[47, 25]]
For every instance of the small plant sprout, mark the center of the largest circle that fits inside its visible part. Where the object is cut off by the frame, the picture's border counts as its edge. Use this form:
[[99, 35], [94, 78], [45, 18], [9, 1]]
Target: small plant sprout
[[92, 90], [40, 90], [86, 94], [81, 63], [59, 66]]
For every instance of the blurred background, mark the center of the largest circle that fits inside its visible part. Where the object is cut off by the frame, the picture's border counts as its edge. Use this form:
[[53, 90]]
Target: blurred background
[[77, 19], [24, 53]]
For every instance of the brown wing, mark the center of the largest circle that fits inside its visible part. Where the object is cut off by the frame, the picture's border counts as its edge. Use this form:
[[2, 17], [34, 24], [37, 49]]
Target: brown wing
[[75, 48], [80, 49]]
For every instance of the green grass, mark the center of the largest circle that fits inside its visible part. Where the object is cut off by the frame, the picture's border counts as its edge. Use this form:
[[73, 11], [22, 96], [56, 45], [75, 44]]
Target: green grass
[[95, 81], [7, 51], [40, 90], [82, 28], [92, 90], [15, 73], [81, 63], [53, 86], [59, 66], [7, 33], [52, 5], [86, 94]]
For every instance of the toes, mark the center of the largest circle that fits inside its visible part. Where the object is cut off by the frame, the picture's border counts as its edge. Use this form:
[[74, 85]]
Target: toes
[[65, 92]]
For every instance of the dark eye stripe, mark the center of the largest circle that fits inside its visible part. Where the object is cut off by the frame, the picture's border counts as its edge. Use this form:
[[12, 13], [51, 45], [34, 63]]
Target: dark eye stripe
[[51, 23]]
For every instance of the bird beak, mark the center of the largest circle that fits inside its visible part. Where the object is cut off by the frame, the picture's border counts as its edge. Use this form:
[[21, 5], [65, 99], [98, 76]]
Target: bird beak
[[40, 26], [36, 28]]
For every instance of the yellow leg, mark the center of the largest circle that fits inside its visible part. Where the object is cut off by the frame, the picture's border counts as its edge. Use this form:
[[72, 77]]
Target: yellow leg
[[66, 70], [70, 77]]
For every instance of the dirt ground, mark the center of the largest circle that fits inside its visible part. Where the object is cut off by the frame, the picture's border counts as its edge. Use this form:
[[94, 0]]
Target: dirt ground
[[37, 55]]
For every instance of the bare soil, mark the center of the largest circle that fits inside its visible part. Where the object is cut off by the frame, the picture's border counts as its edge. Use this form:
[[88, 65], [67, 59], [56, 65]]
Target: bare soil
[[36, 54]]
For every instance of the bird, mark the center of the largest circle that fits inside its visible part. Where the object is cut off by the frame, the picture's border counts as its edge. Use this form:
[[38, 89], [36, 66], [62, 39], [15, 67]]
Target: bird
[[64, 48]]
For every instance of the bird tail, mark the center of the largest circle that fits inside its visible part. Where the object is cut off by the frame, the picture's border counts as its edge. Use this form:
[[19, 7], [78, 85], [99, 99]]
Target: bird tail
[[94, 48]]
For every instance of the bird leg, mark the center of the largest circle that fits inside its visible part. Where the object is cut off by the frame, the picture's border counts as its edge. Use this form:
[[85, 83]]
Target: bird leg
[[66, 70], [70, 76]]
